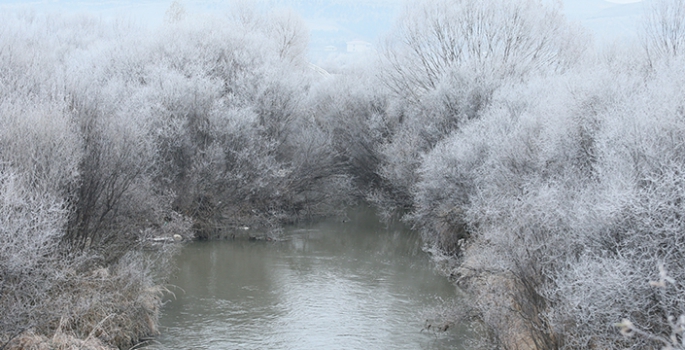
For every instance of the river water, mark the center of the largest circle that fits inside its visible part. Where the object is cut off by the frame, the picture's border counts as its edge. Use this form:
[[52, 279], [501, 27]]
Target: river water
[[330, 285]]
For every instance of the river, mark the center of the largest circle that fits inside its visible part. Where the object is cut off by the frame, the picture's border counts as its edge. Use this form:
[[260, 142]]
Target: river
[[329, 285]]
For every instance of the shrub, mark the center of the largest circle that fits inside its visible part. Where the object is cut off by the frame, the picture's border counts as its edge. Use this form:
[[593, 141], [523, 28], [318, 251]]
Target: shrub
[[444, 62], [562, 197], [61, 139]]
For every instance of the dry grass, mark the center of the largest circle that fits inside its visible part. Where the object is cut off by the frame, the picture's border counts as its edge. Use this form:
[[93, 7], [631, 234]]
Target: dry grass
[[102, 308], [59, 341]]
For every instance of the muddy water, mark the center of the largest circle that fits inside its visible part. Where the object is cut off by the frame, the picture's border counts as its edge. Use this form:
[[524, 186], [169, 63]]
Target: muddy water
[[331, 285]]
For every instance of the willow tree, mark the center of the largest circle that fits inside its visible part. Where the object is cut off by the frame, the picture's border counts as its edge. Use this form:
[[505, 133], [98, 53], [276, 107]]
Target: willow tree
[[488, 37], [664, 29], [443, 63]]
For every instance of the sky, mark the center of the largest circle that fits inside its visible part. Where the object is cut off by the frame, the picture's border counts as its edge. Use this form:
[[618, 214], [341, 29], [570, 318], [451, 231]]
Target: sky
[[334, 23]]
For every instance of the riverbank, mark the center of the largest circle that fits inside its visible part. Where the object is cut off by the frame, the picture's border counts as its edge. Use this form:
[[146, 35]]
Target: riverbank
[[126, 133], [537, 165], [103, 308]]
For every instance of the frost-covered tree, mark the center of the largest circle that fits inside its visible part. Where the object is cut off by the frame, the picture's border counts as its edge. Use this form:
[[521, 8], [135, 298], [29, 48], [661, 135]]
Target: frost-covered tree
[[436, 39], [290, 35], [663, 34], [114, 133], [560, 202], [444, 61]]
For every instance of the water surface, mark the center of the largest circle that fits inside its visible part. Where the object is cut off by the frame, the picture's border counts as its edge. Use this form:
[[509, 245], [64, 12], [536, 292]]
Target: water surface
[[331, 285]]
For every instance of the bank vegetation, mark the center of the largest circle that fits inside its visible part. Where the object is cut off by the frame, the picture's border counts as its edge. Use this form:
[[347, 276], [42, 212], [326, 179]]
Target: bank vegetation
[[545, 175]]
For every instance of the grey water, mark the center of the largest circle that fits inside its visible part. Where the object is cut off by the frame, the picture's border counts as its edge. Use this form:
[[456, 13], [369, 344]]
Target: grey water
[[329, 285]]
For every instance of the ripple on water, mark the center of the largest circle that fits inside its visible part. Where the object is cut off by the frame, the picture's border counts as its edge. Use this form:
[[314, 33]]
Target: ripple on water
[[331, 286]]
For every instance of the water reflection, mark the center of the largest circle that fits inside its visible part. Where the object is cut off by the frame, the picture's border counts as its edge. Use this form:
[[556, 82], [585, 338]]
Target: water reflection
[[331, 285]]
